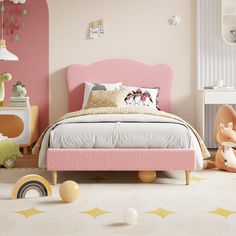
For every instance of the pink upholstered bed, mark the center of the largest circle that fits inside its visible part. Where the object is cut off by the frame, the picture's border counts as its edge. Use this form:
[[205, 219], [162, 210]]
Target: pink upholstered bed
[[129, 72]]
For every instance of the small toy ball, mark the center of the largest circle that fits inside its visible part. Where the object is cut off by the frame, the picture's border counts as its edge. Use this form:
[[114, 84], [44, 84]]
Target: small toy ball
[[130, 216], [147, 176], [69, 191]]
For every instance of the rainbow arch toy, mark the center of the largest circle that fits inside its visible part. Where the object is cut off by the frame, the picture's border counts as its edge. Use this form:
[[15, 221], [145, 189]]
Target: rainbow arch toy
[[31, 182]]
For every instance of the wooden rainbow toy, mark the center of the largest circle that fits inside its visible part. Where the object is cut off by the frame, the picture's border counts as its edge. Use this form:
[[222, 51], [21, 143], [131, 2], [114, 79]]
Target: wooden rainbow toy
[[31, 182]]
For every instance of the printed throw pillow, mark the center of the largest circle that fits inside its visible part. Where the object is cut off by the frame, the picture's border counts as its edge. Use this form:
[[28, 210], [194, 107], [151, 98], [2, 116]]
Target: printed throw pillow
[[101, 98], [88, 87], [147, 97]]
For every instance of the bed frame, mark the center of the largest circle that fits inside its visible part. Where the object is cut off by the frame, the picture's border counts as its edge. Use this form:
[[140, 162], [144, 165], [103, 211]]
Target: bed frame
[[129, 72]]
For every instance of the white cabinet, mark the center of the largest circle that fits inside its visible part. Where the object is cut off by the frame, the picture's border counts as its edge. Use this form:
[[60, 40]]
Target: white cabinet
[[228, 22], [20, 125], [211, 97]]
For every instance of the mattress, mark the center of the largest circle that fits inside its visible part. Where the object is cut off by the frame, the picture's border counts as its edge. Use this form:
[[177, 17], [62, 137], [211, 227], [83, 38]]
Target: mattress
[[120, 135]]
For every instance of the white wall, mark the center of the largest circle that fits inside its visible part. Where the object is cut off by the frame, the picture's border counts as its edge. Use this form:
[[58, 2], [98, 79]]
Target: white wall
[[136, 29]]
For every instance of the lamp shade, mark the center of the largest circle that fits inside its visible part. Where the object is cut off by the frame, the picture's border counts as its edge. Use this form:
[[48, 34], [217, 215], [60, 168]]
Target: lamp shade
[[5, 55]]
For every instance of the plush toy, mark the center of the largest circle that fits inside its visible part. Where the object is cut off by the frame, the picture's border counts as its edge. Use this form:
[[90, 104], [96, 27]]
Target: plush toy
[[8, 152], [225, 158], [19, 89], [3, 77]]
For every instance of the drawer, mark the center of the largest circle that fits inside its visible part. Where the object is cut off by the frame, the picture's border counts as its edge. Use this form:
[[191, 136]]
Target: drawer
[[220, 97]]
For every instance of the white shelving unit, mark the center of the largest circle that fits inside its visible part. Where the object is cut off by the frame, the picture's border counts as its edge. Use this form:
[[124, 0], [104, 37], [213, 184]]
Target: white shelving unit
[[20, 125], [228, 23], [211, 97]]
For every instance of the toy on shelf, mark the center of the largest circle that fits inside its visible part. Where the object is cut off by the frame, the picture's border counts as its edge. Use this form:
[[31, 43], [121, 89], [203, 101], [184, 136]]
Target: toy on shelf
[[19, 95], [8, 152], [31, 182], [3, 77], [69, 191]]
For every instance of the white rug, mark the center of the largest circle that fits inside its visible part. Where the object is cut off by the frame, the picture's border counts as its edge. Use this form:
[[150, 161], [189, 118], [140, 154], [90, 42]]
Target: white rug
[[205, 208]]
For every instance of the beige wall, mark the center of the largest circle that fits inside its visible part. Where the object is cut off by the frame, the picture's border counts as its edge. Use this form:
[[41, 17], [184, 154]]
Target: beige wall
[[136, 29]]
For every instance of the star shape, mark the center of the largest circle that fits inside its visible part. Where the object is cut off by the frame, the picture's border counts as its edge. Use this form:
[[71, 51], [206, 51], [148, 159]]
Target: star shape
[[95, 212], [161, 212], [197, 179], [29, 212], [222, 212]]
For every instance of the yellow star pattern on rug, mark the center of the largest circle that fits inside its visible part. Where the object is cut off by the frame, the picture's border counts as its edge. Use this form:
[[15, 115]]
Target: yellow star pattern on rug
[[222, 212], [161, 212], [95, 212], [97, 178], [29, 212], [197, 179]]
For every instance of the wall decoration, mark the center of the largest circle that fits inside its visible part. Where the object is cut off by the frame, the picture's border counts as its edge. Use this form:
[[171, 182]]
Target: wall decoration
[[14, 19], [174, 20], [96, 29], [228, 21], [31, 182]]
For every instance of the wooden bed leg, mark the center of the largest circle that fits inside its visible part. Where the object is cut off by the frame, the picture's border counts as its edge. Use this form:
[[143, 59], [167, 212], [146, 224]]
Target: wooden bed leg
[[187, 177], [54, 177]]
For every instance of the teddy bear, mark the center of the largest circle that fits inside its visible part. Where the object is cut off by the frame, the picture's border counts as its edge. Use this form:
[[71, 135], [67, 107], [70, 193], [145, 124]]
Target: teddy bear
[[225, 158]]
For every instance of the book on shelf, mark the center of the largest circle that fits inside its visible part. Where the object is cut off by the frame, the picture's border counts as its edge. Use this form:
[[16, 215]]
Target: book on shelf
[[19, 102]]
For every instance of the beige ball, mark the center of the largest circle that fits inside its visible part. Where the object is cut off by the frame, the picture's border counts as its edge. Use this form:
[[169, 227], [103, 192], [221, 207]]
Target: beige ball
[[69, 191], [147, 176]]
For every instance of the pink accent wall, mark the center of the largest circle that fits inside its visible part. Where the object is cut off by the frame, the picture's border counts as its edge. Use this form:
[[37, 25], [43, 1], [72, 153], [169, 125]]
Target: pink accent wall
[[33, 52]]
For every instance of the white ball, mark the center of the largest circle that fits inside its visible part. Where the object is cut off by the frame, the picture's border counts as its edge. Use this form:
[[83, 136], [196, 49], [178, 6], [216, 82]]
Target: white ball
[[130, 216], [22, 1], [15, 1]]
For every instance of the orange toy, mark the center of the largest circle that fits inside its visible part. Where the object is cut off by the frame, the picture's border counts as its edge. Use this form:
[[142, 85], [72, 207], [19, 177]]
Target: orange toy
[[147, 176], [225, 158], [225, 135]]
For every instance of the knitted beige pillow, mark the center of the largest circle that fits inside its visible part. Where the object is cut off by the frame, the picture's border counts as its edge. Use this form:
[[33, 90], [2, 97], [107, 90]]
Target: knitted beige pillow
[[111, 98]]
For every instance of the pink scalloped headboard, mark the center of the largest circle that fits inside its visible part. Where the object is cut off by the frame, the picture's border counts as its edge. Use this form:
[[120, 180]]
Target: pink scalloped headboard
[[129, 72]]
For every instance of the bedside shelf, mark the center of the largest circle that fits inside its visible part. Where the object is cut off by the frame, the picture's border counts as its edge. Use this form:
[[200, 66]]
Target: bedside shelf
[[20, 125]]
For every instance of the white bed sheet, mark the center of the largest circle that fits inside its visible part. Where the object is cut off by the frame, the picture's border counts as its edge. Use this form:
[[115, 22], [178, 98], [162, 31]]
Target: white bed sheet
[[120, 135]]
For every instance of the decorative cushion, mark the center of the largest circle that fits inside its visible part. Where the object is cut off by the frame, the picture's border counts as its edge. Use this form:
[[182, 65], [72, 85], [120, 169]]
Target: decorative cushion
[[112, 98], [92, 86], [142, 97]]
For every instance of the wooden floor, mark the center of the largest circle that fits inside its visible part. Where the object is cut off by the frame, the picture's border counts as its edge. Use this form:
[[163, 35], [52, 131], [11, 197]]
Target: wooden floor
[[27, 161]]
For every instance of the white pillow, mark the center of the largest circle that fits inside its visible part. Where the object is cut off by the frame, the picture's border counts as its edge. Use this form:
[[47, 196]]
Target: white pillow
[[145, 97], [94, 86]]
